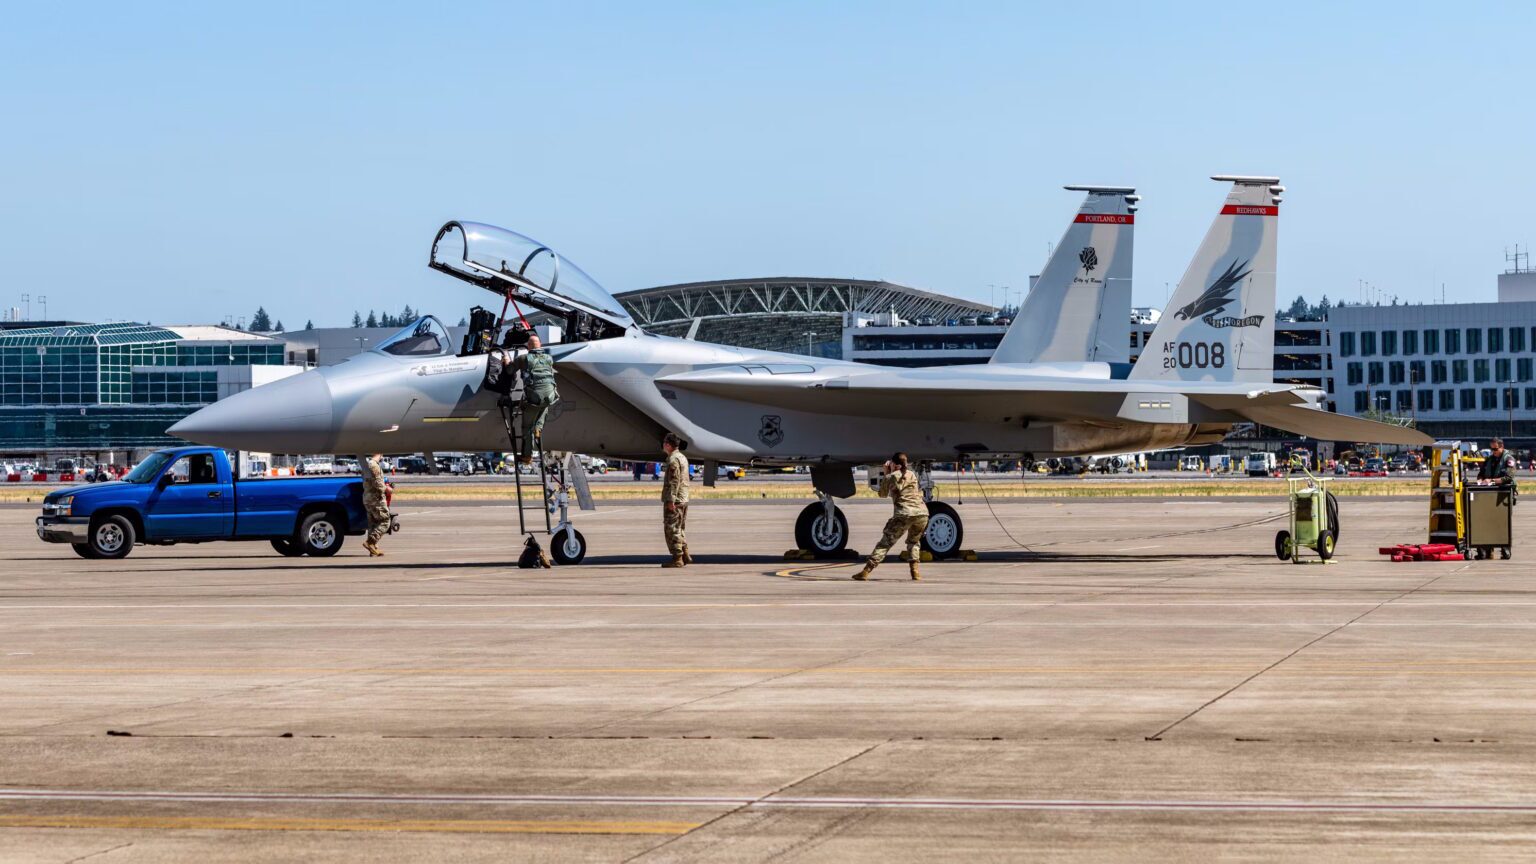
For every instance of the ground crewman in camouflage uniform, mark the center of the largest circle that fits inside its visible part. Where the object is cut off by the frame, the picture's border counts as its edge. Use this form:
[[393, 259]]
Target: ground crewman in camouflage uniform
[[911, 517], [539, 395], [373, 502], [674, 498]]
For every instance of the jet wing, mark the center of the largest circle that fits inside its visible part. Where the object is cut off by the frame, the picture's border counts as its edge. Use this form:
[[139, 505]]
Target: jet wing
[[998, 394], [1327, 426]]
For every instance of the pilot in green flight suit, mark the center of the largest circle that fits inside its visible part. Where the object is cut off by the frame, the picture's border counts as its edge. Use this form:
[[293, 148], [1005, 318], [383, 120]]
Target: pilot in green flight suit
[[539, 394]]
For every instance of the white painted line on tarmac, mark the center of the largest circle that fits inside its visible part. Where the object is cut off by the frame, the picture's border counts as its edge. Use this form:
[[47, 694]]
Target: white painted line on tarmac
[[1081, 602], [669, 625], [798, 802]]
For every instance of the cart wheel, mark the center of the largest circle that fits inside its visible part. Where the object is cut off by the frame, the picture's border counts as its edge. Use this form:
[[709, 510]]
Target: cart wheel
[[1325, 544], [1283, 548]]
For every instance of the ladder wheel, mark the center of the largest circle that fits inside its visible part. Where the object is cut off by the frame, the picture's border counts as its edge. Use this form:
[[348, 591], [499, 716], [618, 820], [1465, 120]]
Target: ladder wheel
[[567, 546]]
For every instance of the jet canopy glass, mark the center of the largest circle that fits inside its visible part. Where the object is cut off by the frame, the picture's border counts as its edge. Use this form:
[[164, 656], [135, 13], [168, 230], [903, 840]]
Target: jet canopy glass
[[501, 261], [424, 337]]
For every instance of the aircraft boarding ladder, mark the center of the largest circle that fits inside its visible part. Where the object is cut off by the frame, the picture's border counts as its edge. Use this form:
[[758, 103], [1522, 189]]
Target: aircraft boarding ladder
[[558, 478]]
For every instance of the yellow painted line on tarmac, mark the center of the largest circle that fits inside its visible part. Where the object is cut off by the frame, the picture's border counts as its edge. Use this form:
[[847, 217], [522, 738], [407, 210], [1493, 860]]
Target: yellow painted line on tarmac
[[429, 826], [795, 572]]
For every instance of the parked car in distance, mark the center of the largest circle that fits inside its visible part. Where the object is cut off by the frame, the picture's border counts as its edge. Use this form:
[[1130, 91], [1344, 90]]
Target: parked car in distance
[[985, 320], [316, 465], [190, 495], [968, 321], [1261, 464]]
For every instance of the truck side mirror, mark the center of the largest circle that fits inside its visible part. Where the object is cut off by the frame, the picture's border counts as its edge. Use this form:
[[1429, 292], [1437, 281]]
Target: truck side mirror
[[166, 479]]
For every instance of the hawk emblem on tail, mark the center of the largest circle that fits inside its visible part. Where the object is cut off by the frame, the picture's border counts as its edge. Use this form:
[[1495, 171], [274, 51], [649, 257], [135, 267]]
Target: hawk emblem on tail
[[1216, 297]]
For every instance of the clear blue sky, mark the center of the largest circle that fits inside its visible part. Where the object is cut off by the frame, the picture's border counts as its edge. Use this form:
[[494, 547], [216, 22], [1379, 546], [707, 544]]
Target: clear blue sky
[[196, 160]]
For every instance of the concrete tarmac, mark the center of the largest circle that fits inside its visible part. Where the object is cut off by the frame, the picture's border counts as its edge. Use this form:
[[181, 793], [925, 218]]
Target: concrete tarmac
[[1144, 682]]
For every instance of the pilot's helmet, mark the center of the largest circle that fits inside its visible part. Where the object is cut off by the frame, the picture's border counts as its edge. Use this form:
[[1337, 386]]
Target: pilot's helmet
[[517, 337]]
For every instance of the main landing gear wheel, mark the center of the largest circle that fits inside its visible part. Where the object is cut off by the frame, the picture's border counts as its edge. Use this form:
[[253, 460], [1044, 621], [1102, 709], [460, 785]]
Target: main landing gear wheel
[[824, 537], [945, 531], [567, 546], [286, 547]]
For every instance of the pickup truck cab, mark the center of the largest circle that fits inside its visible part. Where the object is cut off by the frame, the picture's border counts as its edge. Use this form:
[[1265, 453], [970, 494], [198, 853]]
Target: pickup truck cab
[[190, 495]]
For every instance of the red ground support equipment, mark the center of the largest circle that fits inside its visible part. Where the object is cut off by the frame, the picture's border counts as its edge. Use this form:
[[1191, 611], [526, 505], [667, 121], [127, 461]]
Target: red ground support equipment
[[1422, 552]]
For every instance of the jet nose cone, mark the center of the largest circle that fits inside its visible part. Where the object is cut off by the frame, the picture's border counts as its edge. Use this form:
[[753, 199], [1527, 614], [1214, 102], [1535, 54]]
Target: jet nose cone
[[288, 416]]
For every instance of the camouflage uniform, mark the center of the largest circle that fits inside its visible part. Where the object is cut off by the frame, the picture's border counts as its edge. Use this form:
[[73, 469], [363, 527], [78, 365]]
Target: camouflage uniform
[[674, 491], [539, 395], [373, 500], [911, 517]]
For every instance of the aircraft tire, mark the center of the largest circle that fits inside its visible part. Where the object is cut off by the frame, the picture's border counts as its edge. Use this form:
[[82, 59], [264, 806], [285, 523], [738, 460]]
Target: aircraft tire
[[945, 531], [812, 532], [567, 546]]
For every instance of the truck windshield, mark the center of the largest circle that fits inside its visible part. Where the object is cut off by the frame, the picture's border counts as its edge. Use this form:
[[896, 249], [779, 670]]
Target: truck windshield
[[147, 469]]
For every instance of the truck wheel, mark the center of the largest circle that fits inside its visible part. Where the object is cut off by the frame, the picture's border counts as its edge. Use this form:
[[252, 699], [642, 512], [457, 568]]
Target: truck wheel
[[1283, 548], [112, 537], [84, 550], [286, 547], [1326, 543], [319, 535], [945, 532], [567, 546]]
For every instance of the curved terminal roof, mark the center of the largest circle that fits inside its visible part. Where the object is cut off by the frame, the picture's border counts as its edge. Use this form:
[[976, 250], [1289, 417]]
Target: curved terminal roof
[[789, 295], [85, 334]]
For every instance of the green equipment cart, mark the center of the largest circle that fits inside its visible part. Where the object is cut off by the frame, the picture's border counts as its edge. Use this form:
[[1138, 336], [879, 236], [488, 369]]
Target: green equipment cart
[[1314, 518]]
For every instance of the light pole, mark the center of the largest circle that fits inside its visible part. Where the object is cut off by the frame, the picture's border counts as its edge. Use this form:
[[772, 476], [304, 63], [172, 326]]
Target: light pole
[[26, 300], [808, 335], [361, 341], [43, 299], [1509, 400]]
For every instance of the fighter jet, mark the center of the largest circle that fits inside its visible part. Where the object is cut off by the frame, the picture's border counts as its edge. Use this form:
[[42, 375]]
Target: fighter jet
[[623, 388]]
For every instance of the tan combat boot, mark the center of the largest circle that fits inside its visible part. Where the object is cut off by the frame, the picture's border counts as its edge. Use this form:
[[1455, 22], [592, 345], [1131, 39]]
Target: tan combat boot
[[677, 561], [687, 557], [373, 551], [863, 575], [916, 576]]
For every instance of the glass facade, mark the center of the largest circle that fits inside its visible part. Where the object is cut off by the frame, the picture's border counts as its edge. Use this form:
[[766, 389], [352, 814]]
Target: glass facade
[[95, 364], [100, 373]]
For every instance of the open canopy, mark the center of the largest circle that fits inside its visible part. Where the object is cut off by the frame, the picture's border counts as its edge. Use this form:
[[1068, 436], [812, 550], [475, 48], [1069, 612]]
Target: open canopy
[[504, 261]]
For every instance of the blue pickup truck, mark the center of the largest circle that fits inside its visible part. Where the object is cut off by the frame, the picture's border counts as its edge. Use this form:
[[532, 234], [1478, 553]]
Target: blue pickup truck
[[191, 495]]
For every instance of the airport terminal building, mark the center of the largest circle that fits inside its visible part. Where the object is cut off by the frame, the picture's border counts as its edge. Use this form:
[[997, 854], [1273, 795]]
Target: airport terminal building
[[116, 387]]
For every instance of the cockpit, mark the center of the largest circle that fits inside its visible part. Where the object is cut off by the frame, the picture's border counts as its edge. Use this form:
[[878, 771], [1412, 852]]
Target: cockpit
[[532, 282], [424, 337]]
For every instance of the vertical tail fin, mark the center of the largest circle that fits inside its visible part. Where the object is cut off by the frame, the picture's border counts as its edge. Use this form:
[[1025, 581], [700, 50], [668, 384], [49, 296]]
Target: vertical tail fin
[[1220, 322], [1080, 308]]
